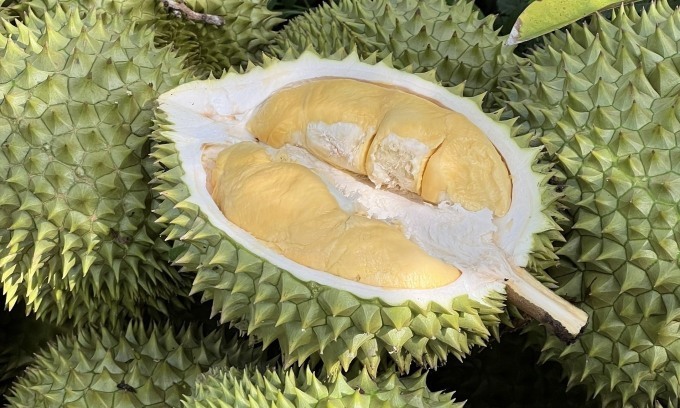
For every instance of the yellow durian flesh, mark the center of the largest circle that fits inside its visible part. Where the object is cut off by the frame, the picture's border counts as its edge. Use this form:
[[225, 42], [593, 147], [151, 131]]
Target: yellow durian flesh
[[397, 139], [291, 209], [468, 175], [317, 116]]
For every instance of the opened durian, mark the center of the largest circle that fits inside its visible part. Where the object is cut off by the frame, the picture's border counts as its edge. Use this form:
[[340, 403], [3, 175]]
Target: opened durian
[[603, 98], [320, 202], [252, 387]]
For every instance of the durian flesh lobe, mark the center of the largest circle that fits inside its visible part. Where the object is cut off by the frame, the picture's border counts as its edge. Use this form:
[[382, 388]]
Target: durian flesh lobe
[[395, 138], [313, 312], [310, 227]]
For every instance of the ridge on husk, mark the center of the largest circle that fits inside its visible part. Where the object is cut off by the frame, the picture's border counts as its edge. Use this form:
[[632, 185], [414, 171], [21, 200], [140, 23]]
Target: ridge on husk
[[77, 236], [603, 98]]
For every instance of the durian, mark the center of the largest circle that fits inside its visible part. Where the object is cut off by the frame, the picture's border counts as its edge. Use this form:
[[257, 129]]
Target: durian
[[369, 309], [139, 366], [454, 40], [207, 48], [250, 387], [77, 236], [603, 99]]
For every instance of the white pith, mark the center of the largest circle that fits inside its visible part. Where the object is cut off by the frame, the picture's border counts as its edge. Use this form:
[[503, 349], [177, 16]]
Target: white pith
[[484, 248]]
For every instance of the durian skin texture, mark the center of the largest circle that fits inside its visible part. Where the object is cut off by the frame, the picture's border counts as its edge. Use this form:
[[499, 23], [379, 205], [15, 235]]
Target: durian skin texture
[[230, 387], [78, 239], [137, 366], [603, 99], [454, 40]]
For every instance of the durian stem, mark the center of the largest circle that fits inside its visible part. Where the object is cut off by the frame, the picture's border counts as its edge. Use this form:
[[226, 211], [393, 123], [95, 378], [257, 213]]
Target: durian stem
[[531, 297], [180, 9]]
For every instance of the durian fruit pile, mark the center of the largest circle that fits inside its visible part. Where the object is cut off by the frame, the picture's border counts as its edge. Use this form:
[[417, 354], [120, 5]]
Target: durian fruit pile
[[320, 211]]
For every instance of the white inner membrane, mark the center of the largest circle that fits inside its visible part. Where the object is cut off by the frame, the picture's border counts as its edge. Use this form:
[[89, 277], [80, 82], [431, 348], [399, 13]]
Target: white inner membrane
[[485, 248]]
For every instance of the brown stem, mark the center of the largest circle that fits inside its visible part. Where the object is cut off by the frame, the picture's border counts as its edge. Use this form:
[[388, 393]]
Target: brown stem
[[178, 7], [530, 296]]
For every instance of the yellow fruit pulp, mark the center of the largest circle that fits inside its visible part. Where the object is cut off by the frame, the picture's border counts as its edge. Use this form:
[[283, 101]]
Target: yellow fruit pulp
[[290, 208], [397, 139]]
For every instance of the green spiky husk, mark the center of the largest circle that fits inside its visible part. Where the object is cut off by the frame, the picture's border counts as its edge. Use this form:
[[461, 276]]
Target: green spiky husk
[[137, 367], [452, 39], [603, 99], [77, 236], [248, 28], [302, 389], [309, 319]]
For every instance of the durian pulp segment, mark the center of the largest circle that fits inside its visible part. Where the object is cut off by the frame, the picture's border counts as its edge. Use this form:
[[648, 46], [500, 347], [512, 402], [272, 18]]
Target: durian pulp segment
[[399, 140], [292, 210]]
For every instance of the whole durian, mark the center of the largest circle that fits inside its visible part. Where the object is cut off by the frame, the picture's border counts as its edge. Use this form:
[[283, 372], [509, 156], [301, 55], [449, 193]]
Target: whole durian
[[253, 387], [139, 366], [248, 26], [454, 40], [603, 99], [277, 254], [77, 236]]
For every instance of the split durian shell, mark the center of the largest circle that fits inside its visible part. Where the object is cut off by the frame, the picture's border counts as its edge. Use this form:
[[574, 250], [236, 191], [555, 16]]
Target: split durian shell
[[310, 312], [603, 98]]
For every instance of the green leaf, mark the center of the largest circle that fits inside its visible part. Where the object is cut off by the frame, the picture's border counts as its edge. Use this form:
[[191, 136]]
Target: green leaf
[[544, 16]]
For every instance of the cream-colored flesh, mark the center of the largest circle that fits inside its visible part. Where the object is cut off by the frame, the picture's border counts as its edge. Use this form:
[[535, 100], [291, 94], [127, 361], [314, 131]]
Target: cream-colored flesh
[[391, 136], [291, 209], [319, 118]]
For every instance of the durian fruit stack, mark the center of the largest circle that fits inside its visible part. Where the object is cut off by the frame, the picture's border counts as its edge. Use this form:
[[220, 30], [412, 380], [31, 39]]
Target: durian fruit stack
[[103, 241]]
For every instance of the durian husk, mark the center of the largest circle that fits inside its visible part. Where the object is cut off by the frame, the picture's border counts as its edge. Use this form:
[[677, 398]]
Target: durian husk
[[248, 27], [78, 239], [301, 388], [140, 366], [455, 40], [603, 97]]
